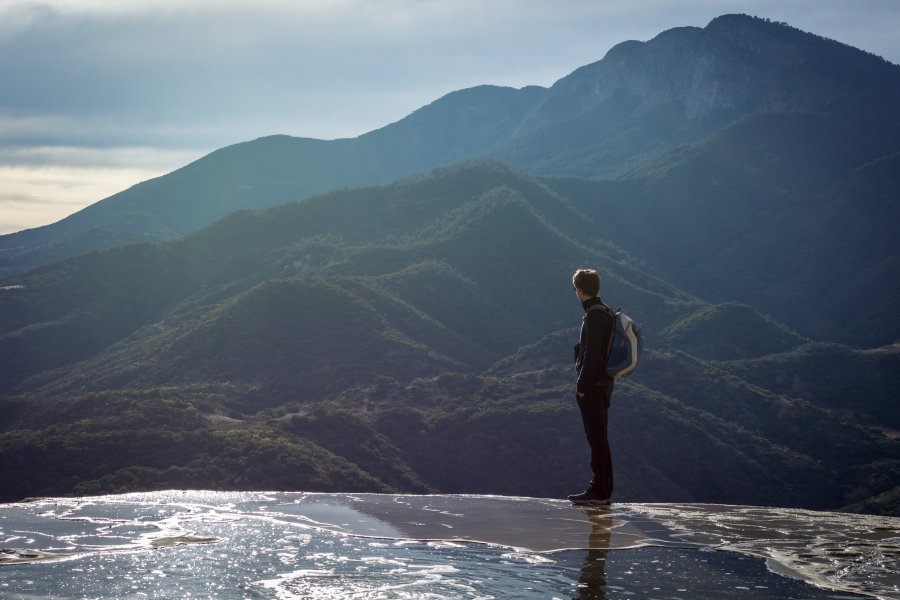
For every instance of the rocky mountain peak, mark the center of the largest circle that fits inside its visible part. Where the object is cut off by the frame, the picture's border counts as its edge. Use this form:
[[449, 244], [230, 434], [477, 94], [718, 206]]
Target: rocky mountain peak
[[736, 65]]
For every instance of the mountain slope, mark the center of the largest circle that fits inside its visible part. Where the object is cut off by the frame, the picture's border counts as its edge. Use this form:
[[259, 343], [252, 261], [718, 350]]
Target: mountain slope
[[642, 100], [458, 217], [646, 98], [729, 331], [842, 239], [417, 335], [276, 170], [792, 213], [856, 384], [412, 336]]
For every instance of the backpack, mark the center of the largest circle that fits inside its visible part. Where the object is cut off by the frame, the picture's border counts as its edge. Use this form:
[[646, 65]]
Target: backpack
[[625, 344]]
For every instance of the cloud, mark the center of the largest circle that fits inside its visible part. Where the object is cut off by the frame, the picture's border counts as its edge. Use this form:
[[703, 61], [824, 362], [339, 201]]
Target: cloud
[[43, 185], [91, 158], [324, 68], [31, 196], [211, 75]]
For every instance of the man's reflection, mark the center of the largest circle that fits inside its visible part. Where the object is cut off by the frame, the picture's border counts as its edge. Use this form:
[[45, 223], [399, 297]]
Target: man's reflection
[[592, 584]]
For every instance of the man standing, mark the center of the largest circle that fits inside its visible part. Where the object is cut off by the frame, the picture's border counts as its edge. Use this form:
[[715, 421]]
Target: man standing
[[595, 387]]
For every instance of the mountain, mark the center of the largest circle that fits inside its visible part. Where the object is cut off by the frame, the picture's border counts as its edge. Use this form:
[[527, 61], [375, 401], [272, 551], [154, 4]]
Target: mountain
[[275, 170], [736, 185], [429, 233], [413, 336], [851, 382], [729, 331], [794, 214], [641, 101]]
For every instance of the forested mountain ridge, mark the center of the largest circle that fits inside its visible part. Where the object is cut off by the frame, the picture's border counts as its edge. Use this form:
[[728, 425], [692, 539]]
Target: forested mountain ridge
[[736, 186], [642, 100], [413, 336], [438, 226], [792, 213]]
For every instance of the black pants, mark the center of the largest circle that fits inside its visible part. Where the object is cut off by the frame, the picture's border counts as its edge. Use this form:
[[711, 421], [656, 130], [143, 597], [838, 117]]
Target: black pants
[[594, 408]]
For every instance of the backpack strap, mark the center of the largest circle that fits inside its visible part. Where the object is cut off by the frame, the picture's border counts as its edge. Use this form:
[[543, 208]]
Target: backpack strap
[[612, 330]]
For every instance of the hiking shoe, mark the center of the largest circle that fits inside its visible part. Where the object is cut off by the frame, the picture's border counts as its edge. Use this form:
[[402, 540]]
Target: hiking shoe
[[589, 497]]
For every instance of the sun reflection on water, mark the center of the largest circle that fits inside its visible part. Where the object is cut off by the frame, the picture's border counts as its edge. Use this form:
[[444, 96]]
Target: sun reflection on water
[[255, 545]]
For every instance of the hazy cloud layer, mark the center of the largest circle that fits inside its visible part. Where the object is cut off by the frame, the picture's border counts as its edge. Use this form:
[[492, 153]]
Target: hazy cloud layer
[[34, 193], [191, 77]]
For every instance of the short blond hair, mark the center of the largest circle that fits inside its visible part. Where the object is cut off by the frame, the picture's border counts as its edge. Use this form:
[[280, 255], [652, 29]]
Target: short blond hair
[[588, 281]]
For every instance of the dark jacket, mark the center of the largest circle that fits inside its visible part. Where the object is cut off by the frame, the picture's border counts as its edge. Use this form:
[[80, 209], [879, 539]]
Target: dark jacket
[[593, 344]]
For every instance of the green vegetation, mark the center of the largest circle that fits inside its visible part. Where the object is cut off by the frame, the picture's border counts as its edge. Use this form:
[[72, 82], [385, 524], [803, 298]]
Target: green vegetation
[[417, 335], [859, 385], [428, 351], [729, 331]]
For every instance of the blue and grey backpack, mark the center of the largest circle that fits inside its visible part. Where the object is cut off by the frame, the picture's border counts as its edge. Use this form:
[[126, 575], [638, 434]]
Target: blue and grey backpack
[[625, 344]]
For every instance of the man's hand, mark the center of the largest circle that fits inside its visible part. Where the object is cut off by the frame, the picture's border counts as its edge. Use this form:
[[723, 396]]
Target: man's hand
[[579, 395]]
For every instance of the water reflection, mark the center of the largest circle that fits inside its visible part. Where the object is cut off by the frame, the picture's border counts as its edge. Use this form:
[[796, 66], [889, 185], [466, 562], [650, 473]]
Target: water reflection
[[298, 545], [592, 583]]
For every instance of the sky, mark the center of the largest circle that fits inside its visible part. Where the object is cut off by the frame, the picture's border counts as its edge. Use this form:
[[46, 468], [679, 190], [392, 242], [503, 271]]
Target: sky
[[98, 95]]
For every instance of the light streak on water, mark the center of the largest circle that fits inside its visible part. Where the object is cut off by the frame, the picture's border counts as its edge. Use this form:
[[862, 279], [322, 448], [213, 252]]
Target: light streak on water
[[288, 545]]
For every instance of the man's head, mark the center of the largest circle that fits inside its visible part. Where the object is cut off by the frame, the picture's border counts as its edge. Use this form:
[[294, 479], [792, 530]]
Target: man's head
[[587, 282]]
